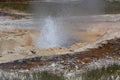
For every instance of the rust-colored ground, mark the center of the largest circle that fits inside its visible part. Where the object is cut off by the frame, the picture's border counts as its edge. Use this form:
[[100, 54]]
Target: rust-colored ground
[[109, 50], [19, 44]]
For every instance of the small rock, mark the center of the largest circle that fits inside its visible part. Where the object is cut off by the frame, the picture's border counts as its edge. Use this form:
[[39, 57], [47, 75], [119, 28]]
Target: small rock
[[33, 51], [53, 65]]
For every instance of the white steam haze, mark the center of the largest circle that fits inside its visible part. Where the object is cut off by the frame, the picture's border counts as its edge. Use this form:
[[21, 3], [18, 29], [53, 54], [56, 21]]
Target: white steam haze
[[49, 34], [57, 18]]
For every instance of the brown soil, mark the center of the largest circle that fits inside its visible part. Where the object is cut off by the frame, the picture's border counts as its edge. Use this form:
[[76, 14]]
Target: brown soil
[[109, 50], [18, 44]]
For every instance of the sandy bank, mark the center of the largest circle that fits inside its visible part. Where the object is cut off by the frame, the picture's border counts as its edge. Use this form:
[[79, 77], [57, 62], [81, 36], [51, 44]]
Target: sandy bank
[[18, 43]]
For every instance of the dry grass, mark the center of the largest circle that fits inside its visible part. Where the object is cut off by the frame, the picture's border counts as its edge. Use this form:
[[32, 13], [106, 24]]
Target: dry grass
[[112, 72]]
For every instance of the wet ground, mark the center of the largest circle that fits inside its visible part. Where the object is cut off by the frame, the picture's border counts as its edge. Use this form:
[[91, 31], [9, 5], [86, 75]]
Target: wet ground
[[109, 50], [23, 55], [59, 63], [27, 35]]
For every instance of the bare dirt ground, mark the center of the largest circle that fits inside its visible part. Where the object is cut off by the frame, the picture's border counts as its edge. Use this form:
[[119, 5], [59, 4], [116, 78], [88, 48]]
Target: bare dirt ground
[[100, 46], [18, 43]]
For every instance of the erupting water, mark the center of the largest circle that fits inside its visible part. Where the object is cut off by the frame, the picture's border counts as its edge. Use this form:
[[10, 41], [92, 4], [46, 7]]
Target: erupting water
[[55, 16], [49, 34]]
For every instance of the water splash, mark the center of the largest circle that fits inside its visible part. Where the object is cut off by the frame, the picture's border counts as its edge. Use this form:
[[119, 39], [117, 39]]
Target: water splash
[[62, 15], [49, 34]]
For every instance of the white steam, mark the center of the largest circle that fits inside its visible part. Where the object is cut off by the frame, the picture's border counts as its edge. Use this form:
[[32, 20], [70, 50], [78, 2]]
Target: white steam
[[58, 18], [49, 36]]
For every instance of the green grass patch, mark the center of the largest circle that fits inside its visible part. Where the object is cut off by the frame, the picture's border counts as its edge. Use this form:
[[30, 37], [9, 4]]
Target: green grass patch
[[32, 76], [46, 76], [15, 6], [42, 76], [112, 7], [109, 73]]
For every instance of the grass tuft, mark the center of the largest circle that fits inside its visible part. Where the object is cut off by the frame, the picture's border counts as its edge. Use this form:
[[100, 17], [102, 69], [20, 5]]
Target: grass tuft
[[15, 6], [111, 72]]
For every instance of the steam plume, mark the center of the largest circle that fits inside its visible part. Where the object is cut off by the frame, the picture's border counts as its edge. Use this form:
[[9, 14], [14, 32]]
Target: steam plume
[[56, 18]]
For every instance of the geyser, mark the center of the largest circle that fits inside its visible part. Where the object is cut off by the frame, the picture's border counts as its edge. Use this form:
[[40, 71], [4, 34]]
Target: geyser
[[56, 19], [52, 34], [49, 36]]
